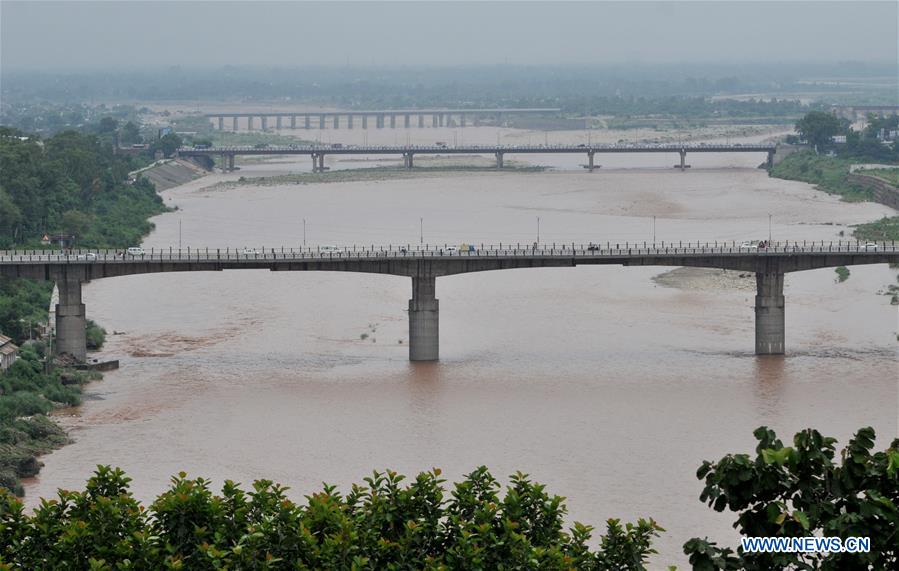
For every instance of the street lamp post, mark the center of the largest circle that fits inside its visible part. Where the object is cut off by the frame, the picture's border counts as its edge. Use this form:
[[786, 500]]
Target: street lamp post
[[421, 230], [769, 228], [538, 229], [304, 232], [653, 231], [179, 233]]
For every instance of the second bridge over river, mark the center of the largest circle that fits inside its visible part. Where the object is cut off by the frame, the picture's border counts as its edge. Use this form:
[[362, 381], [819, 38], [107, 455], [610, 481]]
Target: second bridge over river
[[408, 152], [424, 264]]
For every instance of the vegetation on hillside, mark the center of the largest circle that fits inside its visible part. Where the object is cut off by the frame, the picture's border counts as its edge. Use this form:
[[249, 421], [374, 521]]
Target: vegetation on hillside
[[27, 393], [887, 228], [829, 174], [71, 183]]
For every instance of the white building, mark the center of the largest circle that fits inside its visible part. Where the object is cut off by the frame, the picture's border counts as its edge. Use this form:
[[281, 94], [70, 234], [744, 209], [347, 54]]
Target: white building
[[8, 352]]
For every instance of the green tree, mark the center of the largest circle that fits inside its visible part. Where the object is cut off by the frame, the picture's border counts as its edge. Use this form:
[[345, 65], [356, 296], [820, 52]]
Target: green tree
[[75, 222], [107, 125], [168, 144], [817, 127], [801, 491], [385, 523], [130, 134]]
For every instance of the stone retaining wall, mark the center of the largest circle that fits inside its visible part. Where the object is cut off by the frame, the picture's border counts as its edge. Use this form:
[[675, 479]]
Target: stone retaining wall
[[884, 192]]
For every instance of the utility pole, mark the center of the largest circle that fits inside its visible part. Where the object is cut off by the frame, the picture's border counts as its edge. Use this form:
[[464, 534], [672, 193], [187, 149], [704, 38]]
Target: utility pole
[[179, 233], [653, 230], [769, 228], [421, 230], [538, 229], [304, 232]]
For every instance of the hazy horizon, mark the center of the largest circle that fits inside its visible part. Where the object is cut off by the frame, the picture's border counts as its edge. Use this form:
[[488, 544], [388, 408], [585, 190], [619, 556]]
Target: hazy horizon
[[92, 36]]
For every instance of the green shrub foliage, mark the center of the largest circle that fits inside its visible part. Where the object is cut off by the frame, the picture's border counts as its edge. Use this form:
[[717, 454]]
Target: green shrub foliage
[[385, 523], [802, 491]]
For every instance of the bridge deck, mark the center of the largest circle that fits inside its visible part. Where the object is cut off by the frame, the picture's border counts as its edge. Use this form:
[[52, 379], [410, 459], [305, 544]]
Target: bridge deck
[[474, 149], [584, 253]]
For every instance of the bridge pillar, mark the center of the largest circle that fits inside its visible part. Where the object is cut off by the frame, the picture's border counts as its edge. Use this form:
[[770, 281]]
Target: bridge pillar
[[379, 120], [221, 123], [349, 121], [461, 119], [392, 121], [769, 313], [231, 162], [499, 160], [278, 123], [71, 336], [440, 119], [683, 159], [434, 120], [590, 160], [365, 121], [321, 162], [293, 121], [407, 121], [421, 121], [336, 122], [234, 124], [249, 122], [314, 162], [321, 122], [307, 121], [770, 162], [407, 160], [264, 120], [423, 320]]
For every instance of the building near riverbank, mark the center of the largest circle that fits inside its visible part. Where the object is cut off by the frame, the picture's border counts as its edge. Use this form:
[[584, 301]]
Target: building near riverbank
[[8, 352]]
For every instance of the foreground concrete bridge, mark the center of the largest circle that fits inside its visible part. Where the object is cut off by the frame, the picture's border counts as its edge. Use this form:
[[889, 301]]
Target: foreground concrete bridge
[[408, 152], [425, 264], [409, 117]]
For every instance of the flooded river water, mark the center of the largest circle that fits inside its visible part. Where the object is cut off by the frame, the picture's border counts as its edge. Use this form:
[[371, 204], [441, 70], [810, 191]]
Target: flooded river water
[[598, 381]]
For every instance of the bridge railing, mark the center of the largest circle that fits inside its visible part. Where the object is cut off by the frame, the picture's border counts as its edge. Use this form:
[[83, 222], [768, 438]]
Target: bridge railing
[[607, 249]]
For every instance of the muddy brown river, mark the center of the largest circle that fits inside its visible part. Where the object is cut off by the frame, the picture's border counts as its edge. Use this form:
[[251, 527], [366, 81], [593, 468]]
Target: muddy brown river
[[604, 384]]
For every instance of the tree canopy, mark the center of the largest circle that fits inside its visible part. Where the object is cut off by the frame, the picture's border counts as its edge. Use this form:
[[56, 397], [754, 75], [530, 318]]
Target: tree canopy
[[817, 127]]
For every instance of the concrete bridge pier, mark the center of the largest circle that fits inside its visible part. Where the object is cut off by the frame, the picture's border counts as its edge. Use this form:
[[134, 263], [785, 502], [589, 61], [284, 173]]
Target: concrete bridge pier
[[71, 336], [499, 160], [278, 123], [336, 124], [392, 121], [365, 121], [307, 121], [407, 160], [770, 161], [769, 313], [293, 121], [407, 121], [423, 320], [249, 122], [349, 121], [421, 121], [321, 122], [590, 160], [379, 121], [231, 162], [440, 119], [434, 120], [221, 123], [461, 119], [264, 120], [234, 124], [683, 159]]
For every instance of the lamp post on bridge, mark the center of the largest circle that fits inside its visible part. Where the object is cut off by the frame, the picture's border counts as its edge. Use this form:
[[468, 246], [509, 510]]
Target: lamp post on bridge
[[304, 232], [538, 229], [653, 231], [769, 228], [421, 230]]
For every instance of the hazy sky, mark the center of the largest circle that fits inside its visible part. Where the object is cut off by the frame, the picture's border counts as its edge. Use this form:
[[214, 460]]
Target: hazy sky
[[54, 35]]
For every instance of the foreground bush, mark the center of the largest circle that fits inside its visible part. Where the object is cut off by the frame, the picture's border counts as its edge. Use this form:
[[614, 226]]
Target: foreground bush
[[384, 524], [799, 491]]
